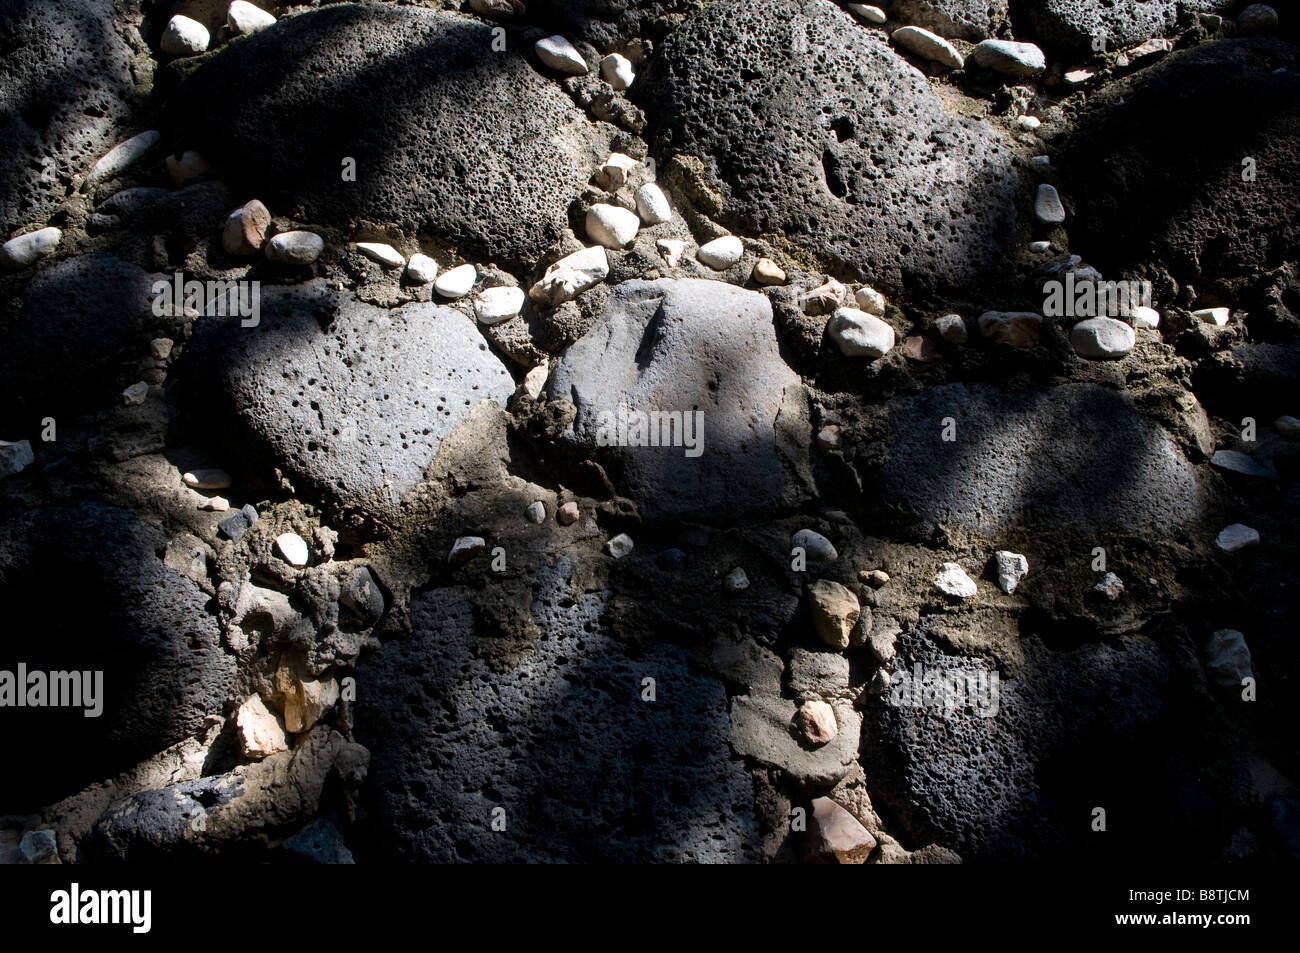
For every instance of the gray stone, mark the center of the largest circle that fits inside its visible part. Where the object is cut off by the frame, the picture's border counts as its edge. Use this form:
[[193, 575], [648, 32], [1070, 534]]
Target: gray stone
[[37, 847], [1102, 339], [443, 155], [1111, 586], [466, 548], [561, 55], [361, 595], [1017, 60], [1234, 461], [235, 526], [858, 334], [697, 348], [1227, 658], [1070, 27], [736, 581], [1047, 205], [928, 46], [121, 157], [819, 674], [460, 736], [1257, 18], [619, 546], [320, 842], [852, 186], [65, 95], [1011, 568], [952, 328], [15, 457], [952, 581], [760, 729], [354, 414], [295, 248], [25, 250], [1075, 457], [1237, 537], [536, 512], [816, 547], [149, 629]]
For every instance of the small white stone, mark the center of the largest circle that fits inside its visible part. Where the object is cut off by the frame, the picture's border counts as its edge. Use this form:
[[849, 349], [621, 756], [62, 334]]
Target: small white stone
[[573, 274], [1077, 76], [1217, 316], [619, 546], [497, 305], [18, 253], [825, 298], [928, 46], [1047, 205], [186, 166], [1144, 317], [293, 548], [1039, 247], [208, 478], [1018, 60], [384, 254], [870, 300], [612, 226], [613, 173], [1012, 567], [1101, 339], [859, 334], [536, 512], [672, 250], [721, 253], [244, 18], [561, 55], [1236, 537], [121, 157], [617, 70], [652, 205], [184, 37], [214, 504], [867, 13], [260, 732], [535, 380], [160, 348], [421, 269], [952, 580], [456, 282], [295, 248], [15, 457], [952, 328], [1111, 586], [816, 547], [465, 549], [135, 395], [1028, 123]]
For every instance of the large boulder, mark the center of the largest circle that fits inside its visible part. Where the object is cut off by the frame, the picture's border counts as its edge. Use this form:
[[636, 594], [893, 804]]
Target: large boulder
[[1180, 195], [1000, 768], [349, 400], [1071, 27], [791, 120], [65, 85], [706, 351], [963, 19], [62, 352], [1076, 458], [91, 583], [582, 768], [450, 134]]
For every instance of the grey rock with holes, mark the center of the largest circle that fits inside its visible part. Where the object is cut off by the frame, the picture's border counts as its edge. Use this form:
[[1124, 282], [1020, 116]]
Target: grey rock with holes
[[693, 347], [272, 105], [353, 415], [1070, 26], [1073, 458], [147, 627], [65, 87], [887, 184], [959, 19], [559, 737]]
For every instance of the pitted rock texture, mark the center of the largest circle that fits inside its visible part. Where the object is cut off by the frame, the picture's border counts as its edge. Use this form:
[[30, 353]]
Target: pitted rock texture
[[1013, 771], [693, 347], [65, 91], [609, 23], [1190, 207], [60, 353], [809, 127], [1068, 27], [1074, 458], [350, 400], [151, 631], [584, 768], [961, 19], [449, 135]]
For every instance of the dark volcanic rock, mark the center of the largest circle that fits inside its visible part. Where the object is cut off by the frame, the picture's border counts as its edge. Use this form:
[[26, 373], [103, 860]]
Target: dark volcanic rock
[[583, 768], [609, 23], [692, 347], [964, 19], [99, 598], [61, 352], [1117, 726], [448, 134], [1075, 458], [64, 86], [1068, 27], [1148, 182], [351, 401], [810, 127]]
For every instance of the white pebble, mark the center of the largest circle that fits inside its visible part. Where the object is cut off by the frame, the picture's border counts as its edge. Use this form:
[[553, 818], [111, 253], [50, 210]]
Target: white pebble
[[243, 18], [184, 37], [18, 253], [652, 205], [612, 226], [952, 580], [867, 13], [536, 512], [1236, 537], [1039, 247], [135, 395], [1217, 316], [456, 282], [570, 276], [1102, 339], [1012, 567], [384, 254], [421, 269], [870, 300], [496, 305], [858, 334], [671, 249], [721, 253], [620, 545], [617, 70], [122, 156], [1144, 317], [293, 548], [928, 46], [561, 55], [613, 173]]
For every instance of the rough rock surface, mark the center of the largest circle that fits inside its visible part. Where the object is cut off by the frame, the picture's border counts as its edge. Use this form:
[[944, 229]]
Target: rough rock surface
[[482, 150], [690, 346], [854, 176], [351, 400], [1076, 457], [149, 629], [1069, 26], [562, 741], [1190, 208], [960, 19], [65, 91]]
